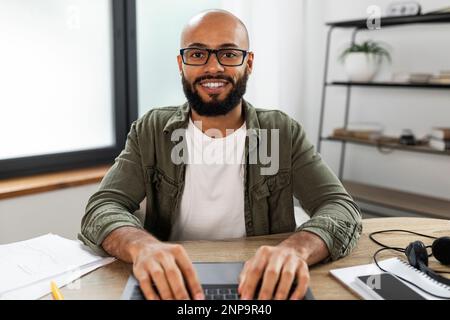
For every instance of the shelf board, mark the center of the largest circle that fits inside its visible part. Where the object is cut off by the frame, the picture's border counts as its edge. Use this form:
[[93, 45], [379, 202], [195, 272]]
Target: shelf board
[[400, 200], [388, 145], [394, 21], [391, 84]]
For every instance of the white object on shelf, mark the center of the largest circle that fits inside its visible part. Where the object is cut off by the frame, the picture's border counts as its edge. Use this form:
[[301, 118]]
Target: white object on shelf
[[361, 67]]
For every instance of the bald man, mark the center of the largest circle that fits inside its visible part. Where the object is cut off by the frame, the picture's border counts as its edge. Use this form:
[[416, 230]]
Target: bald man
[[227, 194]]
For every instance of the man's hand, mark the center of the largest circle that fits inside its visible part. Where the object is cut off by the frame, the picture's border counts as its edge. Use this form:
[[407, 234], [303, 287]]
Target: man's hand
[[277, 268], [166, 265]]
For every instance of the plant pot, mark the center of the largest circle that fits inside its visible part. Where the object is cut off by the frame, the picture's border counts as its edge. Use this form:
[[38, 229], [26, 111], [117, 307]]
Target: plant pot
[[361, 67]]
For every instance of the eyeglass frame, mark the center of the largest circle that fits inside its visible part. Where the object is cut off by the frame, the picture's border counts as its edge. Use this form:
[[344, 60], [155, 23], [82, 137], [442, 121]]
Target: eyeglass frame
[[214, 51]]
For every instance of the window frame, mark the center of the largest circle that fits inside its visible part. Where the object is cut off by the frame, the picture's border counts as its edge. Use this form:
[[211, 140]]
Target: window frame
[[125, 106]]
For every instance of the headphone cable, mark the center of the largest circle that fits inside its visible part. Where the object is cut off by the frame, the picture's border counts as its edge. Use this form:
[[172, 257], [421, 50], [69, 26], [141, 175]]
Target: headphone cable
[[401, 278], [402, 250], [398, 230]]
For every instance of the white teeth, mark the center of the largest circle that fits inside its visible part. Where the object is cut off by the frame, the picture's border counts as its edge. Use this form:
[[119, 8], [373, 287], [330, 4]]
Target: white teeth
[[213, 84]]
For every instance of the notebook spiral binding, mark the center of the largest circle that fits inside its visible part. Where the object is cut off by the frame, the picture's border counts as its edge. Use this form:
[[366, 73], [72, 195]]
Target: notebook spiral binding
[[425, 275]]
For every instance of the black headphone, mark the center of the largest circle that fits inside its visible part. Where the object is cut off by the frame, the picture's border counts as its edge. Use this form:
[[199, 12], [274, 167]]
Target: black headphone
[[417, 255]]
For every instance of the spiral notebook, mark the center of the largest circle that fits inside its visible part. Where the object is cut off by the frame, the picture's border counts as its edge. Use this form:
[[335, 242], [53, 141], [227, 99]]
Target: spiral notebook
[[347, 276]]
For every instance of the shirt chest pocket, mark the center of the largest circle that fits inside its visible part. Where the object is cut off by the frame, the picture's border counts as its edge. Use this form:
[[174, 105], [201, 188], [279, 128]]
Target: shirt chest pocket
[[273, 198], [164, 191], [271, 186]]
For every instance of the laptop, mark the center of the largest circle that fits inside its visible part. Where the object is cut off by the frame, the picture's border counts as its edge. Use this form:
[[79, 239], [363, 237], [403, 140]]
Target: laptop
[[219, 281]]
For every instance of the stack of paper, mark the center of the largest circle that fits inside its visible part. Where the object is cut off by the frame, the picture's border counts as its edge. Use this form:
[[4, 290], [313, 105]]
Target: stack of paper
[[27, 267]]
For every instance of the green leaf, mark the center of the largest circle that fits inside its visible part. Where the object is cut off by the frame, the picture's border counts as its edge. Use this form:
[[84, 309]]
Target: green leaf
[[368, 47]]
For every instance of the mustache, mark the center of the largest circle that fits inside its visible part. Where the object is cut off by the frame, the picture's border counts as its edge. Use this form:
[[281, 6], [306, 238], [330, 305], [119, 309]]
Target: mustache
[[210, 77]]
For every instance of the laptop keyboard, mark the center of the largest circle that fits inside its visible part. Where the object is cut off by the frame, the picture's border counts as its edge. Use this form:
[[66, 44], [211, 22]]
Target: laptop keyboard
[[221, 292], [212, 292]]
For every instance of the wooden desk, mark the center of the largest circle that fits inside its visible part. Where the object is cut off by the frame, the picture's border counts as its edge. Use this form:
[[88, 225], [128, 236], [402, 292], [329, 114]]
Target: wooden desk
[[108, 282]]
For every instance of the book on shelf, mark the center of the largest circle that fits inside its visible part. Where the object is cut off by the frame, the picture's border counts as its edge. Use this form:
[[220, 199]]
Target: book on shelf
[[443, 81], [442, 78], [439, 144], [364, 134], [441, 133]]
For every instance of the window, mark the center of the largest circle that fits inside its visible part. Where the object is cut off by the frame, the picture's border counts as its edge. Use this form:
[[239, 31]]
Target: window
[[67, 69]]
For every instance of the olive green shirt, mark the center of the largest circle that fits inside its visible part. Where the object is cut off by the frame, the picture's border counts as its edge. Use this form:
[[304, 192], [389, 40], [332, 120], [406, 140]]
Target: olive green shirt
[[145, 169]]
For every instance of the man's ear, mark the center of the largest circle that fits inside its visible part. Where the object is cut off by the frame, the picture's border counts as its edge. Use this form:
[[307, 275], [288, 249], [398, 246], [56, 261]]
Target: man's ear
[[250, 58], [180, 64]]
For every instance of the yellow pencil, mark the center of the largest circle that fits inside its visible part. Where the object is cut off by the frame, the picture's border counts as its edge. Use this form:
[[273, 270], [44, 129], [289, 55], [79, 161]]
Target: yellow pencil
[[57, 295]]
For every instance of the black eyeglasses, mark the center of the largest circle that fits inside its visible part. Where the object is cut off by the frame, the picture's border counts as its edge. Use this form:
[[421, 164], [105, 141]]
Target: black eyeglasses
[[200, 56]]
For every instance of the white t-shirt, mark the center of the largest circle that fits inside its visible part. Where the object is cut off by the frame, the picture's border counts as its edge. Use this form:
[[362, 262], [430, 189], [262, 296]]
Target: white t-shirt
[[212, 204]]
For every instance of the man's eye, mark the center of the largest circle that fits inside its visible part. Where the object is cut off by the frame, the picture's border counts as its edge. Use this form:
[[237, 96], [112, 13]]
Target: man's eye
[[229, 55], [197, 55]]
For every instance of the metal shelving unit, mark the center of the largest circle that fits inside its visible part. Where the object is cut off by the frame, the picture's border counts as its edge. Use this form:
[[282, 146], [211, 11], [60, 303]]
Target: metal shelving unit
[[391, 85], [387, 146], [357, 26]]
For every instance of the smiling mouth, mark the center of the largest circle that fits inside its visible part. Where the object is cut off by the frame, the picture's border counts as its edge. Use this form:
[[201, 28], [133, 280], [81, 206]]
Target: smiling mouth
[[213, 86]]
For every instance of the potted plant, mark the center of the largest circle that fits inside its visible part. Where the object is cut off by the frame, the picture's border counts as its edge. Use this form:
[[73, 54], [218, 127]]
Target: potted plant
[[362, 60]]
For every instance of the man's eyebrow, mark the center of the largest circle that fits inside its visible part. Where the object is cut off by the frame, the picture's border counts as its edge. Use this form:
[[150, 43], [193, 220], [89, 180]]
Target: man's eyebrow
[[197, 45], [229, 45], [202, 45]]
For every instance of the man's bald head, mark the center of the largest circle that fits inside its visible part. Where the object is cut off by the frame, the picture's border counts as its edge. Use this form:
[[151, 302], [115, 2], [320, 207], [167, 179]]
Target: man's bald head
[[215, 25], [215, 89]]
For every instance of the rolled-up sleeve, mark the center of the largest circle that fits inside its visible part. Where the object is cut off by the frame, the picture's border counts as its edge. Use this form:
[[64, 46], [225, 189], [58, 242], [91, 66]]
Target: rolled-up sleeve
[[335, 217], [119, 195]]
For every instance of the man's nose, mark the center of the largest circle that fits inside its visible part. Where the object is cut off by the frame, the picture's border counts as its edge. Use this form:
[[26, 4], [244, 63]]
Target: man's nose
[[213, 64]]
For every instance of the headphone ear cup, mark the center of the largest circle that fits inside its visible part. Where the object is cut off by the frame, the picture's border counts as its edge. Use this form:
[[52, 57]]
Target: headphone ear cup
[[441, 250], [417, 254]]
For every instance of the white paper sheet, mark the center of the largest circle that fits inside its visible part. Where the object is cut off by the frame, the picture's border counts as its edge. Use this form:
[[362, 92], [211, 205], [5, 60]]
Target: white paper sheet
[[42, 288], [33, 263]]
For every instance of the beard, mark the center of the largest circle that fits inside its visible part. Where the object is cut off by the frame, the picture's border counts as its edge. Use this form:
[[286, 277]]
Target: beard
[[215, 107]]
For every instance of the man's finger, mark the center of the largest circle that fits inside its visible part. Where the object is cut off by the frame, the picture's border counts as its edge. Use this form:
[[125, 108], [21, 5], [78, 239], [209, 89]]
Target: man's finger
[[159, 278], [145, 283], [254, 273], [243, 274], [302, 281], [271, 276], [288, 273], [175, 278], [189, 273]]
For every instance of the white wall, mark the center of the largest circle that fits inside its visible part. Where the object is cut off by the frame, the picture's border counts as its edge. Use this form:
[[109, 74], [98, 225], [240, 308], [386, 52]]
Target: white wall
[[159, 25], [276, 31], [415, 49], [58, 212]]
